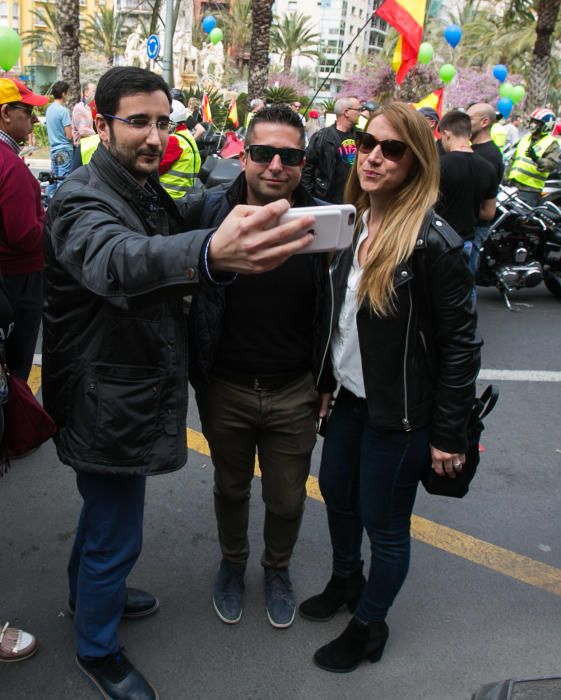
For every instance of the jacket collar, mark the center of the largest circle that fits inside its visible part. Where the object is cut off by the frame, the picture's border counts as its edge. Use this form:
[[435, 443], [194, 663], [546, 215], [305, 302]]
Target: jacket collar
[[119, 179]]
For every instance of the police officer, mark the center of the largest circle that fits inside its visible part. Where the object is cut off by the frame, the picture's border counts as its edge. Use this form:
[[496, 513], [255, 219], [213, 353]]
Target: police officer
[[181, 160], [537, 155]]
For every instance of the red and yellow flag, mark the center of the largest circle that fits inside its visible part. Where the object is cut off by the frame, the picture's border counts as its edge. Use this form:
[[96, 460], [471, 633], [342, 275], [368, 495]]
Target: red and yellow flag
[[233, 113], [433, 100], [205, 109], [408, 18]]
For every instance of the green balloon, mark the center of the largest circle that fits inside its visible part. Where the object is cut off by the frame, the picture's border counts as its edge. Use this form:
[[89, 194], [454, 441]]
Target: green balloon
[[505, 90], [10, 47], [215, 36], [518, 93], [447, 72], [425, 52]]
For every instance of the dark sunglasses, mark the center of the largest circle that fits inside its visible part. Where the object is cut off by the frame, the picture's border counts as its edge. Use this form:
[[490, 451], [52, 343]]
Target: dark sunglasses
[[265, 154], [23, 108], [391, 148]]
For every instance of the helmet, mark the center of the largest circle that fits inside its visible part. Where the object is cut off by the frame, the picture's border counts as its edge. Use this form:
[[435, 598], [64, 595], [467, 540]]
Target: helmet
[[177, 94], [430, 114], [370, 106], [178, 112], [546, 117]]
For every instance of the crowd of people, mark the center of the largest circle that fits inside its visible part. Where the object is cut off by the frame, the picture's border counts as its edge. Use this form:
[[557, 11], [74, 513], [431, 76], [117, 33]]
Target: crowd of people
[[141, 287]]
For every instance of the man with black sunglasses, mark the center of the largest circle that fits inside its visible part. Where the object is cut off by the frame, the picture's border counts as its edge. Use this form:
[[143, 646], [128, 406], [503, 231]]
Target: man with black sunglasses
[[255, 361], [331, 153]]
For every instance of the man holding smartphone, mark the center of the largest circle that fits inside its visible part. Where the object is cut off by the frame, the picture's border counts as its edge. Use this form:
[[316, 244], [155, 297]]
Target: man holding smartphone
[[254, 367]]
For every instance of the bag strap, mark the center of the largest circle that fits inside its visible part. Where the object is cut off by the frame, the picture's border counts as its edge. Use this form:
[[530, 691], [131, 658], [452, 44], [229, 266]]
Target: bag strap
[[486, 402]]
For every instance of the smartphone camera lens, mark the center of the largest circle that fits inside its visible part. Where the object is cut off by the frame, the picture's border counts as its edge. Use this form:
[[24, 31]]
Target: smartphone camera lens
[[351, 219]]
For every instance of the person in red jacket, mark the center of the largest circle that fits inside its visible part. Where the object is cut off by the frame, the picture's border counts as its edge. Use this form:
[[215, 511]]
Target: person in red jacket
[[21, 224]]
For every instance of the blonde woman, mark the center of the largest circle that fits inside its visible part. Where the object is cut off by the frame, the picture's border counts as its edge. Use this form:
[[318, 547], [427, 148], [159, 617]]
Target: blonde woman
[[404, 350]]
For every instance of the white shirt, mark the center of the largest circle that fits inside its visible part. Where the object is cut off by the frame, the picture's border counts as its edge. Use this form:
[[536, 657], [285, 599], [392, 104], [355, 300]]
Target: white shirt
[[345, 349]]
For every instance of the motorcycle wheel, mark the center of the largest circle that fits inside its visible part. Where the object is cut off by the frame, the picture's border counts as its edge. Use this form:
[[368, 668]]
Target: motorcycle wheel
[[552, 281]]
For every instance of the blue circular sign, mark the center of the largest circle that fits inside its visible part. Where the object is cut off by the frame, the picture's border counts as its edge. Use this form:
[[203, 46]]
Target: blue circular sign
[[153, 46]]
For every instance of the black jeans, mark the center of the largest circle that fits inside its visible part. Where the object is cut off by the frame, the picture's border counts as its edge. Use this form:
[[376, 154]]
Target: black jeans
[[25, 293], [368, 479]]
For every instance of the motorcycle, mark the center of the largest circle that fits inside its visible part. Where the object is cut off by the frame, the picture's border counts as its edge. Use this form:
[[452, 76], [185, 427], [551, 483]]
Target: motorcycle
[[523, 247], [220, 157]]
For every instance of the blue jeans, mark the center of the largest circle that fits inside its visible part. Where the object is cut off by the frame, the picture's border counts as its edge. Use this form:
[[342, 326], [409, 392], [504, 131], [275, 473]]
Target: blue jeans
[[61, 166], [368, 479], [107, 545]]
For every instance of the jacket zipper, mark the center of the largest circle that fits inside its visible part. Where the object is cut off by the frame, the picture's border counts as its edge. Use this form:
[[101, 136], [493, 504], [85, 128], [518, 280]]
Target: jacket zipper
[[405, 420], [326, 350]]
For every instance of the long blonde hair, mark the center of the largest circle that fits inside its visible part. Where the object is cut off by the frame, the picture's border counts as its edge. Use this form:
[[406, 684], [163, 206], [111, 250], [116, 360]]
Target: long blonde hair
[[399, 228]]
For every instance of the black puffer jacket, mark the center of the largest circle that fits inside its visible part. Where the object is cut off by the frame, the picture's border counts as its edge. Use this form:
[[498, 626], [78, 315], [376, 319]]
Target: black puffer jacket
[[114, 331], [207, 310], [421, 363]]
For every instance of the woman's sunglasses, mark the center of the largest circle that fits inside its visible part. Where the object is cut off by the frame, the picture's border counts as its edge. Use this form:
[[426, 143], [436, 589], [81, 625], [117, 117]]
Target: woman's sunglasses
[[391, 148]]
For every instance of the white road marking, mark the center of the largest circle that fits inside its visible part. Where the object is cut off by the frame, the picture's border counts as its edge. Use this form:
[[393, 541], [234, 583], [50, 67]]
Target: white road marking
[[520, 375]]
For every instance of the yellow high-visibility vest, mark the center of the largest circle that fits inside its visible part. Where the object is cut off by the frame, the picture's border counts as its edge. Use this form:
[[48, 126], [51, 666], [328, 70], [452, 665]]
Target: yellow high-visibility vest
[[498, 135], [523, 169], [181, 177], [88, 146]]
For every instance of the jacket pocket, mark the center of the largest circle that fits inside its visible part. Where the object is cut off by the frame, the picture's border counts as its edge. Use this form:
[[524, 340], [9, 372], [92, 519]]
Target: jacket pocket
[[117, 413]]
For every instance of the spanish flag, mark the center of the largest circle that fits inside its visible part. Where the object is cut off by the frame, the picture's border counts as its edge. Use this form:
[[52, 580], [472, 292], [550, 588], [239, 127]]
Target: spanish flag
[[233, 113], [205, 109], [433, 100], [408, 18]]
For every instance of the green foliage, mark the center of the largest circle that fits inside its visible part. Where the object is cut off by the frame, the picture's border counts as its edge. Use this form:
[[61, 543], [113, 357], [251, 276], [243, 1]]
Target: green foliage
[[218, 105], [43, 39], [104, 33], [243, 106], [40, 134], [280, 95], [291, 34], [328, 105]]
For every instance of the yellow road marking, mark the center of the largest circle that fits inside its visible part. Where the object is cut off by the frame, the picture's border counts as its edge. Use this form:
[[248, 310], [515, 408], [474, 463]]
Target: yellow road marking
[[491, 556]]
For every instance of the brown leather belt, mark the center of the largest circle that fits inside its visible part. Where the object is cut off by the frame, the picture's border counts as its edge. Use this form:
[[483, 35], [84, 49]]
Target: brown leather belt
[[261, 382]]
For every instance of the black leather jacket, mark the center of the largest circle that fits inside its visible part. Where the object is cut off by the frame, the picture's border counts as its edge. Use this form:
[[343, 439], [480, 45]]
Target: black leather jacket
[[421, 363], [114, 330]]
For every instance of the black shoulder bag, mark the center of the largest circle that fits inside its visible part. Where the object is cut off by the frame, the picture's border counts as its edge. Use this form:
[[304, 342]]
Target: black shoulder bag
[[444, 485]]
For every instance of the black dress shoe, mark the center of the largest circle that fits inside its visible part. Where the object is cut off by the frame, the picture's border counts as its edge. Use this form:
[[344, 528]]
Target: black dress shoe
[[116, 678], [139, 604]]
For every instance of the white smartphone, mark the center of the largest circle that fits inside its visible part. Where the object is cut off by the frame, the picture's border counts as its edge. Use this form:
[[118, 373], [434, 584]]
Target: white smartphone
[[333, 229]]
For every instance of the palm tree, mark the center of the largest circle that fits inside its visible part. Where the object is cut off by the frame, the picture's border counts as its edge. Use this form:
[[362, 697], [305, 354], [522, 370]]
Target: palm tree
[[291, 34], [548, 12], [68, 14], [236, 22], [104, 33], [44, 39], [262, 19]]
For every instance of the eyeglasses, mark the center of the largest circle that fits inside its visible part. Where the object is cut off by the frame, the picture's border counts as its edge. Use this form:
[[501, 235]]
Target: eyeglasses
[[265, 154], [391, 148], [23, 108], [143, 123]]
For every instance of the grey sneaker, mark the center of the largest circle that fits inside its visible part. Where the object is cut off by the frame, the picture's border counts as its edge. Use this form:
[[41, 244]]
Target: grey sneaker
[[227, 595], [281, 606]]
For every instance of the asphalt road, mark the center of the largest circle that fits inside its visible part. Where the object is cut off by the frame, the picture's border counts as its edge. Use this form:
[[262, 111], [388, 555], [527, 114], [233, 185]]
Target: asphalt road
[[469, 613]]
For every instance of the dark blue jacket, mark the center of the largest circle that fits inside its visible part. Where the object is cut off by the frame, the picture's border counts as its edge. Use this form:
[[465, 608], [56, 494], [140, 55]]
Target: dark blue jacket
[[207, 309]]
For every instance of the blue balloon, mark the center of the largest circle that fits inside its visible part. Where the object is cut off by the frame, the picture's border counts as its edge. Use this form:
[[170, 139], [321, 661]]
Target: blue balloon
[[209, 23], [453, 34], [500, 72], [504, 105]]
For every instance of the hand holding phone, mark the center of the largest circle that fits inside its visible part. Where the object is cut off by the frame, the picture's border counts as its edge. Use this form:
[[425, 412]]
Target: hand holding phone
[[333, 228]]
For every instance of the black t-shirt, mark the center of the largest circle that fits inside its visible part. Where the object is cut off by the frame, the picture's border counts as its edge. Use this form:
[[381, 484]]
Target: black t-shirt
[[268, 321], [492, 153], [466, 180], [346, 154]]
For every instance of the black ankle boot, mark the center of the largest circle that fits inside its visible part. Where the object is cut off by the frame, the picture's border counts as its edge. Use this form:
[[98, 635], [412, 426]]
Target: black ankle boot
[[339, 590], [357, 643]]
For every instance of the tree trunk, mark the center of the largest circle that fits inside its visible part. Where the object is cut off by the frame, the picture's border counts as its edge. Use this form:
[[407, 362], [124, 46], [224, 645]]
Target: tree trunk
[[262, 13], [68, 12], [287, 62], [547, 11]]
